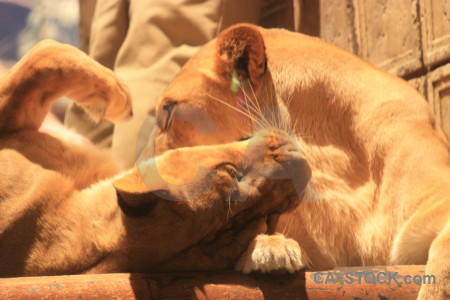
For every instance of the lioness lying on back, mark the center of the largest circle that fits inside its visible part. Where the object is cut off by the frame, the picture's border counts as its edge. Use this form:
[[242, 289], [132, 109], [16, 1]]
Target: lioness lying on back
[[63, 212], [380, 164]]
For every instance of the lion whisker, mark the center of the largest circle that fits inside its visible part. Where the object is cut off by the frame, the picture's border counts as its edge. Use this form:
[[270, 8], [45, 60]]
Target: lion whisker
[[256, 109], [254, 97], [253, 111], [232, 107]]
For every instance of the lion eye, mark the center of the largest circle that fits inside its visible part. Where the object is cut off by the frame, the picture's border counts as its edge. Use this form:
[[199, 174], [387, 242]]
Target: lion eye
[[244, 139], [164, 115], [231, 169]]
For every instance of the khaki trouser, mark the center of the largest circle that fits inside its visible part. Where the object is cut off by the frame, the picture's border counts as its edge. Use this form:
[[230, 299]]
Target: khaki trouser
[[146, 42]]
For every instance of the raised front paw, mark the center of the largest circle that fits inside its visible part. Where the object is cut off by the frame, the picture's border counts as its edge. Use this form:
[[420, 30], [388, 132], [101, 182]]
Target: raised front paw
[[272, 253], [70, 72], [102, 94]]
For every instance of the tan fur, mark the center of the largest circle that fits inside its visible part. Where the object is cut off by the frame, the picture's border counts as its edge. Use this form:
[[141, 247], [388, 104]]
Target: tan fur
[[66, 209], [380, 164]]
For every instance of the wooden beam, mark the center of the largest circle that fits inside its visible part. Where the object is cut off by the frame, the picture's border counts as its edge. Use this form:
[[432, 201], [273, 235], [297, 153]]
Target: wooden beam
[[219, 285]]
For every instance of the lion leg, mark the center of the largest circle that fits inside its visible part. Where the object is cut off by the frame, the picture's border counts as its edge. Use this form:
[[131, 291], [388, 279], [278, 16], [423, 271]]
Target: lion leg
[[269, 253], [425, 238], [51, 70], [438, 265], [272, 253]]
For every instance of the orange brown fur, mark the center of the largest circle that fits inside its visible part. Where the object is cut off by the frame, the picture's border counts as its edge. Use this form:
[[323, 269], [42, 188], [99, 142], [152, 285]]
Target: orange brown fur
[[67, 209], [380, 163]]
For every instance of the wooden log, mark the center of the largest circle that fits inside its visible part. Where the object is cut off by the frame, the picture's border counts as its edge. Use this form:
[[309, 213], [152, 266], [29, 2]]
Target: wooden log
[[329, 284]]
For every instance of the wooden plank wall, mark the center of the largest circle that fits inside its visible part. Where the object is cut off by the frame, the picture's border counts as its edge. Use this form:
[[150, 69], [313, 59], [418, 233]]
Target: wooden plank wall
[[409, 38]]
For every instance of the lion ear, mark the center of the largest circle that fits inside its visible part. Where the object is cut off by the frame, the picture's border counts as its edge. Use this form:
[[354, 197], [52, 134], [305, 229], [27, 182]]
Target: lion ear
[[241, 49], [136, 198]]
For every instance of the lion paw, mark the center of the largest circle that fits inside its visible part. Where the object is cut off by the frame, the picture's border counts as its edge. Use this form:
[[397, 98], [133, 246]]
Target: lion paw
[[105, 97], [272, 253]]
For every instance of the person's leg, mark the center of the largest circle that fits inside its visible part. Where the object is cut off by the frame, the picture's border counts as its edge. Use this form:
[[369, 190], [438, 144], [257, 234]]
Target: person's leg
[[279, 14], [107, 33]]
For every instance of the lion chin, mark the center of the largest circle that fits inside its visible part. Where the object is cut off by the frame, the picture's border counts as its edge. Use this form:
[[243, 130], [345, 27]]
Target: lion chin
[[380, 186]]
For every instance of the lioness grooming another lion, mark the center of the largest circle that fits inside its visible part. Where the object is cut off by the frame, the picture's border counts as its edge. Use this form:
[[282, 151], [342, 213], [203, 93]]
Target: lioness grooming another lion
[[64, 209], [372, 177], [380, 163]]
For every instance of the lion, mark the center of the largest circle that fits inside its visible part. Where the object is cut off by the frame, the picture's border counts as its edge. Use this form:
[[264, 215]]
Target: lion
[[380, 185], [67, 208]]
